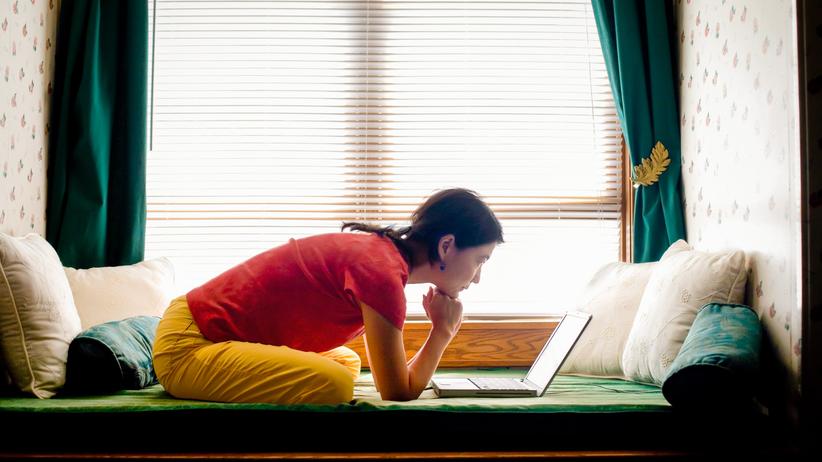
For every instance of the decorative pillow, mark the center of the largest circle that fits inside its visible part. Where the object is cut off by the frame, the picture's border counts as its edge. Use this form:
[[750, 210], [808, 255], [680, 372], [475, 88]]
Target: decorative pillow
[[612, 297], [114, 293], [112, 356], [719, 360], [683, 281], [37, 314]]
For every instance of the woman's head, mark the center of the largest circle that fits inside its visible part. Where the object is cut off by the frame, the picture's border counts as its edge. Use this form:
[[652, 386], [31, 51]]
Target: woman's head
[[457, 212], [457, 231]]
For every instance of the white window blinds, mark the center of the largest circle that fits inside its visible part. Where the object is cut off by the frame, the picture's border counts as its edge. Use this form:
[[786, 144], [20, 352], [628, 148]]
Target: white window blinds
[[279, 119]]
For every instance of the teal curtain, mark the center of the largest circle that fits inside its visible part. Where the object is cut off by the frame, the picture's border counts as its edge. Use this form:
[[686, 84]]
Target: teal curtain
[[637, 45], [96, 204]]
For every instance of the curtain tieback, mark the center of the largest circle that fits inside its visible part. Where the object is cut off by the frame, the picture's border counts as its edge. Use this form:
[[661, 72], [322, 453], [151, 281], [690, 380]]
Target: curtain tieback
[[648, 172]]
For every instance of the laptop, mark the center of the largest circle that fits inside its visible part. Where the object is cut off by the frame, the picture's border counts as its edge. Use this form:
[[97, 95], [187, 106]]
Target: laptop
[[542, 372]]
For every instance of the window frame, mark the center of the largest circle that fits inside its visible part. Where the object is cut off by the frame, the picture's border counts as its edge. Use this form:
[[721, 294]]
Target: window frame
[[512, 341], [476, 326]]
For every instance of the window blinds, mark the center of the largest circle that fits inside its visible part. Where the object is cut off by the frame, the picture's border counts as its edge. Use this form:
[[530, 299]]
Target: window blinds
[[279, 119]]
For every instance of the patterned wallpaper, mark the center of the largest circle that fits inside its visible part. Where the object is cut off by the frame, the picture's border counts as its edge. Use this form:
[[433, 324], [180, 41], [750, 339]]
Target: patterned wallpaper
[[27, 38], [741, 162]]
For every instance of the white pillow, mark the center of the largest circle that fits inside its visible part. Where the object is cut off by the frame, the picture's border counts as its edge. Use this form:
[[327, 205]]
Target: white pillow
[[612, 297], [38, 319], [683, 281], [113, 293]]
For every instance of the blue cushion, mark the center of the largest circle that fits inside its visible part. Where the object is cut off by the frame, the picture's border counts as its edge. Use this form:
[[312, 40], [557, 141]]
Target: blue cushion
[[112, 356], [717, 367]]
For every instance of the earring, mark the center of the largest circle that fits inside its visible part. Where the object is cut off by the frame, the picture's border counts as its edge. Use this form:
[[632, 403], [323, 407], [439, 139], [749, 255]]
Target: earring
[[442, 266]]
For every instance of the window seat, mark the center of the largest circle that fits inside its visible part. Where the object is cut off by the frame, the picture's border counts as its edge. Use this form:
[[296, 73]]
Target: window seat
[[575, 414]]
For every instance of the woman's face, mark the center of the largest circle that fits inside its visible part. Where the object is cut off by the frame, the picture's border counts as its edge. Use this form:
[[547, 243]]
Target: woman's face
[[462, 266]]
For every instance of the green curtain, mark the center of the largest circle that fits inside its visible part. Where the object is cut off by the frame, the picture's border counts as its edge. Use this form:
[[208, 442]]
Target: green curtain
[[96, 204], [637, 45]]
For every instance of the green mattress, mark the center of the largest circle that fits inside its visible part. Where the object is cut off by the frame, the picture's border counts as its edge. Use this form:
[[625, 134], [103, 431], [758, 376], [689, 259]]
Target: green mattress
[[576, 413], [566, 394]]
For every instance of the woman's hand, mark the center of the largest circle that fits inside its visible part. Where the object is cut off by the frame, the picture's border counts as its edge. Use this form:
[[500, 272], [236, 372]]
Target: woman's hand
[[444, 311]]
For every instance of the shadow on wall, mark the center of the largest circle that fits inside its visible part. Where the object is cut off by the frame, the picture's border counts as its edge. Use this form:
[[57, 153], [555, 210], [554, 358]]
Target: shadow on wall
[[771, 388]]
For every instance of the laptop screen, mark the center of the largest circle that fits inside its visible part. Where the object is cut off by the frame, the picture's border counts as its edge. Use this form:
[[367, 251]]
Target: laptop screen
[[558, 346]]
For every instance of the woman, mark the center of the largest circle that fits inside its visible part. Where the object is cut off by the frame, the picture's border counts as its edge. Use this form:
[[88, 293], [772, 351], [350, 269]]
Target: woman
[[272, 329]]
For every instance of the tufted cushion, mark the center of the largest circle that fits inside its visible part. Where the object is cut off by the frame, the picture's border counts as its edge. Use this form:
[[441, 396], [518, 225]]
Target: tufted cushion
[[683, 281], [38, 319], [112, 356], [719, 360]]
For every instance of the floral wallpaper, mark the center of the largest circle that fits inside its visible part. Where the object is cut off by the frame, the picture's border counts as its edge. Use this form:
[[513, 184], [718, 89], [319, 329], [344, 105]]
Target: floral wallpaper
[[738, 107], [27, 38]]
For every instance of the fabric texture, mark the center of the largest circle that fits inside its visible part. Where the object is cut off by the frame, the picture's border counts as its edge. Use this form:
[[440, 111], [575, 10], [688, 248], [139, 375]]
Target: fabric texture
[[96, 204], [115, 293], [38, 319], [112, 356], [567, 394], [719, 360], [683, 281], [636, 43], [612, 297], [190, 366], [304, 294], [579, 413]]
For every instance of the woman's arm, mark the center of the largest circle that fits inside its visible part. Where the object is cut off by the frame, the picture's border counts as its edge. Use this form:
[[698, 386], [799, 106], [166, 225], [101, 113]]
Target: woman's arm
[[396, 379]]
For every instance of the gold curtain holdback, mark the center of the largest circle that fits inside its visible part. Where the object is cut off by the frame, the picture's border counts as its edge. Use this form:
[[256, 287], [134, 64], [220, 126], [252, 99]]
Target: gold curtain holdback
[[648, 172]]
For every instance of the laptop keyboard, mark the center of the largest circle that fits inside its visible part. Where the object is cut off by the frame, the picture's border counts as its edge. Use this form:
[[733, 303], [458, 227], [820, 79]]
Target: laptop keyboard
[[499, 384]]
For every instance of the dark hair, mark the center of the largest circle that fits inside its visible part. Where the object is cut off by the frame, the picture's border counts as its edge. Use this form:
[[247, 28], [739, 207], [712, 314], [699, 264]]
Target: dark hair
[[456, 211]]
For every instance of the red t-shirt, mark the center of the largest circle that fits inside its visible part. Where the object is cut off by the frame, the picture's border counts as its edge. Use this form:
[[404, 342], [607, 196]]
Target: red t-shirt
[[304, 294]]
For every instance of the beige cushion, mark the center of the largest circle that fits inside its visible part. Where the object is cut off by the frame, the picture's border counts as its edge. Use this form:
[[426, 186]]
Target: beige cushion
[[612, 297], [38, 319], [114, 293], [683, 281]]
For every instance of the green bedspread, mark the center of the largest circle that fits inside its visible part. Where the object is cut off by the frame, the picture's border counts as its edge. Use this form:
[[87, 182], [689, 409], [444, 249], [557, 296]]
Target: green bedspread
[[566, 394], [576, 413]]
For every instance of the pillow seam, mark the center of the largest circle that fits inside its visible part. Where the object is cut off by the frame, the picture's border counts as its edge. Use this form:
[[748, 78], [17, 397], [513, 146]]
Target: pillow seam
[[32, 383], [733, 285]]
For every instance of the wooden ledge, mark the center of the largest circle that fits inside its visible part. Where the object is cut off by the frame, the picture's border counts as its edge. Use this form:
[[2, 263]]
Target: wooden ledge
[[469, 455], [480, 343]]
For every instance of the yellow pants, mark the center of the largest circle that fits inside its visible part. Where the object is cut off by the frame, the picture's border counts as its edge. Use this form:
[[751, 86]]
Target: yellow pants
[[192, 367]]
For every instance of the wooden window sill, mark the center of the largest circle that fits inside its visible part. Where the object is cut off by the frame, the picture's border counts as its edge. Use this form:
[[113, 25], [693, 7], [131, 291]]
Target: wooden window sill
[[480, 343]]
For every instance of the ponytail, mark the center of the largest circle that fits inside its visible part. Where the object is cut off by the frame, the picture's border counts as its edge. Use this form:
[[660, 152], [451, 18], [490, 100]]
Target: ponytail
[[456, 211], [396, 236]]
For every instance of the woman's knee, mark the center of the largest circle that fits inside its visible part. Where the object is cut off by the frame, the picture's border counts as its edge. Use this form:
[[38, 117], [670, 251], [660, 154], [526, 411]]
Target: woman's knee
[[346, 357]]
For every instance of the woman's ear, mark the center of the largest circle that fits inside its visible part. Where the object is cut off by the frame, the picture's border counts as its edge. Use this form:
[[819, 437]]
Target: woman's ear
[[446, 243]]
